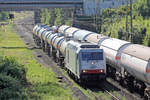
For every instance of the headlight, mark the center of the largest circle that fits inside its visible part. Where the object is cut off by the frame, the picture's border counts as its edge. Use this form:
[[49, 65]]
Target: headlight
[[84, 71], [101, 70]]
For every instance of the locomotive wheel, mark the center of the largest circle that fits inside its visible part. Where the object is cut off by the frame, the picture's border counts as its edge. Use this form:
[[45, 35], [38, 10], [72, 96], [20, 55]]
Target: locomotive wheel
[[118, 77]]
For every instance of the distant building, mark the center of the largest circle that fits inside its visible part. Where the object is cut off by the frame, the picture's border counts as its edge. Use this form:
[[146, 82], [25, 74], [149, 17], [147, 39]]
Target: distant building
[[95, 6]]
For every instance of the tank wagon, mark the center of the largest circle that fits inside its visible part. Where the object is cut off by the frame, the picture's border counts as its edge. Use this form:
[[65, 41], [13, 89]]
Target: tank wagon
[[37, 31], [84, 61], [128, 63]]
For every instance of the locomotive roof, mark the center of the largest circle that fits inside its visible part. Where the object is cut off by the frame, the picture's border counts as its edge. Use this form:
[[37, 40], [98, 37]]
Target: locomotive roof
[[83, 44]]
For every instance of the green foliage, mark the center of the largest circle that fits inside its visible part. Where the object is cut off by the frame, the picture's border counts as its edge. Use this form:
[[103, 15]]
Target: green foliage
[[9, 66], [47, 17], [12, 78], [58, 16], [143, 7], [114, 22], [11, 89], [55, 16], [43, 16]]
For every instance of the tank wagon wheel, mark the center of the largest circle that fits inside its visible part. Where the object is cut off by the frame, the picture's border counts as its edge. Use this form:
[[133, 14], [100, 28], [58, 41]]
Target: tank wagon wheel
[[142, 88], [130, 85], [49, 51], [57, 60], [38, 41], [118, 77], [61, 62], [46, 48], [111, 72], [147, 94], [43, 45]]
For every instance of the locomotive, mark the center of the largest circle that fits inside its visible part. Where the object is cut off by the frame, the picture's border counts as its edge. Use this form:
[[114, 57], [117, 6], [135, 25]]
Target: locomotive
[[128, 63], [83, 60]]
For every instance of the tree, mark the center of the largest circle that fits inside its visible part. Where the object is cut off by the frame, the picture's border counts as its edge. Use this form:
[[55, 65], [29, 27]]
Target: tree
[[58, 20]]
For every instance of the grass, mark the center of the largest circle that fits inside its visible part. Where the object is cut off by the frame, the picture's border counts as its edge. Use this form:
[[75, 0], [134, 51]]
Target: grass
[[43, 82]]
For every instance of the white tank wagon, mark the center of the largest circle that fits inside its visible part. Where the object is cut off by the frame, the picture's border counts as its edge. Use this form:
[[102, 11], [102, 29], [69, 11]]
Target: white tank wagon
[[57, 41], [59, 55], [136, 61], [42, 31], [46, 35], [47, 46], [111, 47], [62, 47], [40, 27], [67, 30], [36, 29], [81, 34], [96, 38], [71, 30], [62, 28], [50, 38]]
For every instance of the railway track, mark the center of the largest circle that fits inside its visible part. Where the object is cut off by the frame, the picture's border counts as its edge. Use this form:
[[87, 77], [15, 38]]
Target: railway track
[[111, 94], [124, 91], [121, 93], [113, 97]]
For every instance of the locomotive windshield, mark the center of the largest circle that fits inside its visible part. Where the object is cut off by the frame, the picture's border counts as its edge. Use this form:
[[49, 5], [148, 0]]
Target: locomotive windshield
[[92, 56]]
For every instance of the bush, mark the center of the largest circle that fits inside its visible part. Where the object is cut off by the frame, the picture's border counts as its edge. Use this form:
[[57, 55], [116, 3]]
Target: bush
[[9, 66], [11, 88], [12, 79]]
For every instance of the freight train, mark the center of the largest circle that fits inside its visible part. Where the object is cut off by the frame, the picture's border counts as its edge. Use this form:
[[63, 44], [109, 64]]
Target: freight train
[[128, 63], [82, 60]]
